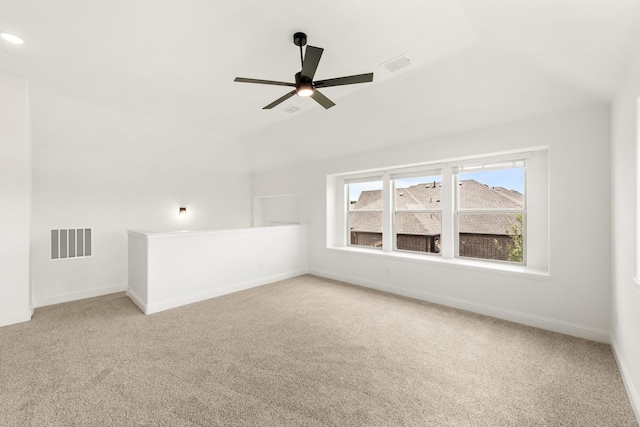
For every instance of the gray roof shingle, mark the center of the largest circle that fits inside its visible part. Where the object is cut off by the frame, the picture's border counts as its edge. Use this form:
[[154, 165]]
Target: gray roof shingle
[[473, 195]]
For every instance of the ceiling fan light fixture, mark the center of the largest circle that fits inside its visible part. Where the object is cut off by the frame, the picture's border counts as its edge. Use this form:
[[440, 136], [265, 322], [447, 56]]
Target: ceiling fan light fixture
[[304, 89]]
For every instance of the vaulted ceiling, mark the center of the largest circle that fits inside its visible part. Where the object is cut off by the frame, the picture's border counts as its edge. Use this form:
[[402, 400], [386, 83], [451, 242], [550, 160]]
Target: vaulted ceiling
[[145, 63]]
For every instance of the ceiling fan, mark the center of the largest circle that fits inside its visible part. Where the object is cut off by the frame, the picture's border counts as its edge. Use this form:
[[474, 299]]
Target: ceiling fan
[[304, 84]]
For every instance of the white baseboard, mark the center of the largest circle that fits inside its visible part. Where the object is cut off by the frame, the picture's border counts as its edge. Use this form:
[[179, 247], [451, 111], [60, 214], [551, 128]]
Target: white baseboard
[[562, 327], [201, 296], [137, 300], [15, 317], [632, 391], [74, 296]]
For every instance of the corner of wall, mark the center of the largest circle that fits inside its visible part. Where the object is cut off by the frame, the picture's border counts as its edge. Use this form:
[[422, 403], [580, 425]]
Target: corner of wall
[[632, 391]]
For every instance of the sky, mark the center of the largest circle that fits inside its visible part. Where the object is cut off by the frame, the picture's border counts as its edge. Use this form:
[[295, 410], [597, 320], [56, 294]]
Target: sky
[[511, 179]]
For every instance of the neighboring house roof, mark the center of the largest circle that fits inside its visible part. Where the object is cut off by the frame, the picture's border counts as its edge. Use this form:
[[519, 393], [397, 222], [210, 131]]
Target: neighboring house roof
[[513, 194], [368, 200], [473, 195]]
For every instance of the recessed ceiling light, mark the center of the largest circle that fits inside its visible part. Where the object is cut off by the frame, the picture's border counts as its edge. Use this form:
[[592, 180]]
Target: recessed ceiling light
[[11, 38]]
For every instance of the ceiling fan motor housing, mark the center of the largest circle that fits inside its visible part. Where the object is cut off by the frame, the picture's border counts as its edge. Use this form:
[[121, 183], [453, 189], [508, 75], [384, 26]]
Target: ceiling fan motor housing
[[302, 80]]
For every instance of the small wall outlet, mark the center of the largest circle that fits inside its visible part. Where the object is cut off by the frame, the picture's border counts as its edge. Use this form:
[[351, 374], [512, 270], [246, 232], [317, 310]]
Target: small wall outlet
[[388, 269]]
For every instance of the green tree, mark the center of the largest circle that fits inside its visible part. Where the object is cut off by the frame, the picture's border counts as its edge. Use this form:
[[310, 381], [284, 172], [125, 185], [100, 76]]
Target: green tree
[[514, 231]]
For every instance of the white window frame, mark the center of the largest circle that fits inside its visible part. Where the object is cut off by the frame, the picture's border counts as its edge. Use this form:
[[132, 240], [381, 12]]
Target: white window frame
[[492, 164], [358, 180], [636, 278], [412, 173], [537, 193]]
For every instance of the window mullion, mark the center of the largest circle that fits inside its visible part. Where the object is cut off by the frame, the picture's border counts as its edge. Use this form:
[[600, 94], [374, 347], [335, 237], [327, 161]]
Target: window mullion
[[418, 210], [387, 212], [447, 202], [491, 211]]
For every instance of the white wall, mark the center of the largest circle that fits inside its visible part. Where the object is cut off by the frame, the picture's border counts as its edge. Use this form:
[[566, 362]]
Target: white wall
[[576, 298], [15, 195], [626, 291], [112, 171], [276, 210]]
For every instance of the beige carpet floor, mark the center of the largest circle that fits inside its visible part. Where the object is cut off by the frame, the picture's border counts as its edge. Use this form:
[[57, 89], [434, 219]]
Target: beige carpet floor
[[301, 352]]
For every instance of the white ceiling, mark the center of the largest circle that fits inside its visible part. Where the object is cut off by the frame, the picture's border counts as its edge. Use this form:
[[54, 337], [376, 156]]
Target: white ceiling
[[475, 63]]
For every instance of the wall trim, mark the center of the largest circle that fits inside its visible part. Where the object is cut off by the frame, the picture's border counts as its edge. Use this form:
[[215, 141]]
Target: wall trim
[[456, 263], [137, 300], [201, 296], [553, 325], [632, 391], [74, 296], [15, 317]]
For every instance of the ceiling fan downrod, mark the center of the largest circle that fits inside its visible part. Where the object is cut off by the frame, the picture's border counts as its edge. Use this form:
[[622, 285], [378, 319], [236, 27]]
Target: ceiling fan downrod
[[300, 39]]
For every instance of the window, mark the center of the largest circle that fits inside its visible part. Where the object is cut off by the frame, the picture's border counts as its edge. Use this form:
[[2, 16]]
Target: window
[[493, 209], [417, 211], [365, 211], [490, 211]]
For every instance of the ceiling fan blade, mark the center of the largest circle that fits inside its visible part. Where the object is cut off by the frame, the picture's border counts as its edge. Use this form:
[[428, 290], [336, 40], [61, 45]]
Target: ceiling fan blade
[[311, 60], [322, 100], [280, 100], [349, 80], [264, 82]]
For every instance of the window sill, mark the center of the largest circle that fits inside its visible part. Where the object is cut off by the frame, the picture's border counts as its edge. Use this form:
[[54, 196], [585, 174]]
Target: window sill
[[457, 263]]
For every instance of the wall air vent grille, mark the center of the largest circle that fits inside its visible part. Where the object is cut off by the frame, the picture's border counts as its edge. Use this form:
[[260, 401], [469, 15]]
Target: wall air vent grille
[[70, 243]]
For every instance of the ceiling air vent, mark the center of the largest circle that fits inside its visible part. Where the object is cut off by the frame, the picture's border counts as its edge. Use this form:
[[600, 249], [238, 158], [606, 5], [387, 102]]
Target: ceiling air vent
[[396, 63], [291, 109]]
